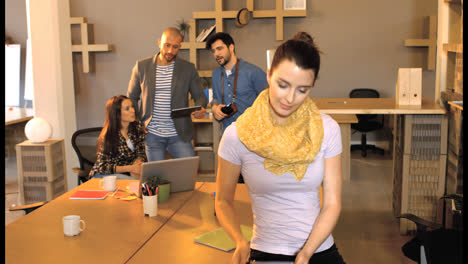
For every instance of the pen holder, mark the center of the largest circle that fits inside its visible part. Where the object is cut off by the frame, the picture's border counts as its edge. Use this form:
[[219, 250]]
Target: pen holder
[[150, 205]]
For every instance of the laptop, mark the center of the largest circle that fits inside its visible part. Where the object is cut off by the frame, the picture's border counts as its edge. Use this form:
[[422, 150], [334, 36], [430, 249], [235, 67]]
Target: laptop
[[180, 172]]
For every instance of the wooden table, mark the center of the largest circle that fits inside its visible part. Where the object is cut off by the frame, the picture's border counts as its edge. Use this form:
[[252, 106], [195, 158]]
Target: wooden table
[[15, 115], [344, 111], [344, 120], [374, 106], [15, 121], [352, 106], [174, 242], [115, 229]]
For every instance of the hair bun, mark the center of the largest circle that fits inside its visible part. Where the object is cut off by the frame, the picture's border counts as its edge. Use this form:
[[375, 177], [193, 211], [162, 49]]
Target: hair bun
[[304, 36]]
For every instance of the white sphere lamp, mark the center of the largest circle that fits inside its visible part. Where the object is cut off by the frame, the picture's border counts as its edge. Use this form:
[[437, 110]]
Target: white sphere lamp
[[38, 130]]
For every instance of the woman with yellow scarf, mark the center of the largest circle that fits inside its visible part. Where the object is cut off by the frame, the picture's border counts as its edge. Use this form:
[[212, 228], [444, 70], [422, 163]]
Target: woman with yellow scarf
[[285, 150]]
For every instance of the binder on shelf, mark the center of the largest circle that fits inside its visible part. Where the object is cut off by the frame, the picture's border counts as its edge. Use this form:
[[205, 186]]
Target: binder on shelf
[[200, 35], [206, 33]]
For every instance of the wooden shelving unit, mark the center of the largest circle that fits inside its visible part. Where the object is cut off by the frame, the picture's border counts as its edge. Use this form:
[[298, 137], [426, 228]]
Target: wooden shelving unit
[[207, 131], [219, 14], [449, 86], [449, 72]]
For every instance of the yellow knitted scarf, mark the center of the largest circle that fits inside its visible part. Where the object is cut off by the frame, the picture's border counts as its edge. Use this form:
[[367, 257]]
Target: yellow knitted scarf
[[288, 147]]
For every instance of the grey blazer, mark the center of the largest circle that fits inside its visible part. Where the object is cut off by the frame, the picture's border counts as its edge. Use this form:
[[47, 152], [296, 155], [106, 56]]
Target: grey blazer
[[185, 79]]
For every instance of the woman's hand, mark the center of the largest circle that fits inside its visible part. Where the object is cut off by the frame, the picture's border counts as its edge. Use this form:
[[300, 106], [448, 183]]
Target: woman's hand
[[135, 168], [138, 161], [302, 257], [241, 255]]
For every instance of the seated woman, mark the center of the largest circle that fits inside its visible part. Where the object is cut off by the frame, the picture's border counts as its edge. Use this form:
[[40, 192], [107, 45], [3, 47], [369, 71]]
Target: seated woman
[[121, 144], [285, 149]]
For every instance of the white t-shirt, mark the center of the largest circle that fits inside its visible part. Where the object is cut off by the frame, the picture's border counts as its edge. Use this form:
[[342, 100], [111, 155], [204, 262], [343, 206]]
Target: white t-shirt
[[284, 209]]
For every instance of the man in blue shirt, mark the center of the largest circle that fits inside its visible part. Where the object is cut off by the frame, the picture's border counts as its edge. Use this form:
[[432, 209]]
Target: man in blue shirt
[[251, 80]]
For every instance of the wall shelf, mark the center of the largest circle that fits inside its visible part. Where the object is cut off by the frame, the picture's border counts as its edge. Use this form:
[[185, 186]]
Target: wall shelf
[[219, 15], [458, 48]]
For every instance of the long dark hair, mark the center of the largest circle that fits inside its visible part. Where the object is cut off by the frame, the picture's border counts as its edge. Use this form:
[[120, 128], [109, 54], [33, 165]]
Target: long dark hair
[[301, 49], [108, 141]]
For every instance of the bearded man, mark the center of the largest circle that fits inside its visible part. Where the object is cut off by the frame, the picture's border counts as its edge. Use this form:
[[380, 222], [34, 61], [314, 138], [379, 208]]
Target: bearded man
[[236, 83], [159, 84]]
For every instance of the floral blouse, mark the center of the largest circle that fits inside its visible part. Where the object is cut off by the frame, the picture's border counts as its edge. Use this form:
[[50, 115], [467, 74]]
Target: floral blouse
[[107, 163]]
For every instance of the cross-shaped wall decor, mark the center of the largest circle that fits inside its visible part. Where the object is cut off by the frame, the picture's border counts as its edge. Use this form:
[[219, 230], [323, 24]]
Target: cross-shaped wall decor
[[279, 13], [430, 42], [192, 45], [218, 15], [85, 48]]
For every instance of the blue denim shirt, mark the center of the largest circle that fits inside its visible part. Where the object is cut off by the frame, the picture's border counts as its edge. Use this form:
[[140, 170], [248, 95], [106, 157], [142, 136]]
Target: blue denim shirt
[[251, 81]]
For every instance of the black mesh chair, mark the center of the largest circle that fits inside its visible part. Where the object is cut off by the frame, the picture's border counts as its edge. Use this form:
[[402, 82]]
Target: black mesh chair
[[441, 243], [84, 142], [366, 123]]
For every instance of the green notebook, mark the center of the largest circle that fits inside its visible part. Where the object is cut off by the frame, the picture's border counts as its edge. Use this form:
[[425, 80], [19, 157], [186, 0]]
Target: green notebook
[[220, 239]]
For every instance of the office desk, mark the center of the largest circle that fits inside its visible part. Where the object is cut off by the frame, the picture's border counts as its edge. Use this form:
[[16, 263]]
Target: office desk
[[352, 106], [15, 115], [419, 151], [174, 242], [15, 121], [374, 106], [345, 121], [115, 229], [212, 134]]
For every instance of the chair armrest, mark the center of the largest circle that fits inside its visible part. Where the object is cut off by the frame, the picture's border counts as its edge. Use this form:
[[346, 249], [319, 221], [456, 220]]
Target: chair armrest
[[79, 172], [421, 224], [27, 208], [82, 175]]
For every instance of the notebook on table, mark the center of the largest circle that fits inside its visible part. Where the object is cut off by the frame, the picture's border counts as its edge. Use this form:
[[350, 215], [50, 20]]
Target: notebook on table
[[181, 172], [220, 239], [89, 195]]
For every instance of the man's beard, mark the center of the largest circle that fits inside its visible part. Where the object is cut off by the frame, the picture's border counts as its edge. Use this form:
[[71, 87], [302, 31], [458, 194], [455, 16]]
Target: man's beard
[[169, 60], [225, 60]]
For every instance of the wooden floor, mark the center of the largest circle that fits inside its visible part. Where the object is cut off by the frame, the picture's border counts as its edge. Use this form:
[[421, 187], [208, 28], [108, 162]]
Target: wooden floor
[[367, 232]]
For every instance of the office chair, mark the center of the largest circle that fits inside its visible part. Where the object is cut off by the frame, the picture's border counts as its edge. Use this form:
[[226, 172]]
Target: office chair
[[84, 142], [433, 242], [366, 123]]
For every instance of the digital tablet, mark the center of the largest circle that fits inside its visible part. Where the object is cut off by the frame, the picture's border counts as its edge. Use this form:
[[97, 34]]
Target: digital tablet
[[182, 112]]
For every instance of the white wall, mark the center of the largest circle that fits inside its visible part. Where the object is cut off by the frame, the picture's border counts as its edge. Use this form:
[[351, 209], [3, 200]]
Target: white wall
[[51, 61]]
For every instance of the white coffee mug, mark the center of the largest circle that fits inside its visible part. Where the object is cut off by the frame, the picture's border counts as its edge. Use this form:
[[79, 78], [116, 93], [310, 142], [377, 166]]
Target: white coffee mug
[[72, 225], [108, 183]]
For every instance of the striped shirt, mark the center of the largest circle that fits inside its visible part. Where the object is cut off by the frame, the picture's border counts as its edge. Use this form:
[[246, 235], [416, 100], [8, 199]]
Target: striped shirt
[[161, 123]]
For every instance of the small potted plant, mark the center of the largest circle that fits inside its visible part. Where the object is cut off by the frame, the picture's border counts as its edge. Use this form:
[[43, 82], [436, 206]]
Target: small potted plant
[[183, 26], [162, 186]]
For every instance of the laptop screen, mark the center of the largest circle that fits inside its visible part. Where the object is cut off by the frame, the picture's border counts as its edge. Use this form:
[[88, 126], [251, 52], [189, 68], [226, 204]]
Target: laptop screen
[[181, 172]]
